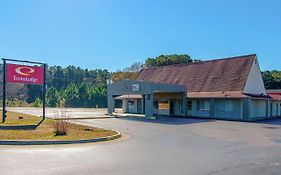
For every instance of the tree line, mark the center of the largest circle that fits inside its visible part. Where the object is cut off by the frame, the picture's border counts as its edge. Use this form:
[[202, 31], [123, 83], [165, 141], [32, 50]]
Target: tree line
[[272, 79], [71, 86], [77, 87]]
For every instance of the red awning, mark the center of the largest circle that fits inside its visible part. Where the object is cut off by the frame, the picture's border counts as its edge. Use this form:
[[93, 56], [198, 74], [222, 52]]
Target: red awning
[[275, 96]]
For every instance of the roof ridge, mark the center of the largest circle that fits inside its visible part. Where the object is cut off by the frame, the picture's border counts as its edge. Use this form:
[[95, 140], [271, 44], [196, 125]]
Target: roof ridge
[[201, 62], [232, 57]]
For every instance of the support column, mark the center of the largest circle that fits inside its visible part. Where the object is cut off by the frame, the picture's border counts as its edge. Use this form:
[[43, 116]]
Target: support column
[[184, 104], [143, 104], [44, 92], [267, 108], [149, 106], [110, 104], [4, 92], [212, 108], [246, 109], [125, 105]]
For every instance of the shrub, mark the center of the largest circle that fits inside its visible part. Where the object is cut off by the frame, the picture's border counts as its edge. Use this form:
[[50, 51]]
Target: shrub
[[37, 102], [61, 126]]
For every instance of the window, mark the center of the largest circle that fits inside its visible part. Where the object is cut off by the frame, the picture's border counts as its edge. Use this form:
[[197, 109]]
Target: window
[[203, 105], [225, 105], [135, 87], [189, 105], [163, 104]]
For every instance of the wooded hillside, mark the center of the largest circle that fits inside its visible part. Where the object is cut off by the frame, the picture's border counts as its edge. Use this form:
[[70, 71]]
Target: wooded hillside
[[71, 86]]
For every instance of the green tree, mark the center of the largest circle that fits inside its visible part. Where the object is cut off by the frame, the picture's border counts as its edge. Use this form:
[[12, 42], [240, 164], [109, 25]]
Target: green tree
[[101, 77], [37, 102], [56, 77], [83, 95], [52, 97], [272, 79], [164, 60], [98, 97], [34, 92], [71, 96]]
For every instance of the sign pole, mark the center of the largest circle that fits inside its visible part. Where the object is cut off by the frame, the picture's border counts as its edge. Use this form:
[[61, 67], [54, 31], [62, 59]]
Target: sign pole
[[4, 92], [44, 92]]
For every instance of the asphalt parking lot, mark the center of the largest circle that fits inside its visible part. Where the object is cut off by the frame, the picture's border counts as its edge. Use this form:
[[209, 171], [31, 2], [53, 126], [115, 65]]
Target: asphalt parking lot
[[162, 146]]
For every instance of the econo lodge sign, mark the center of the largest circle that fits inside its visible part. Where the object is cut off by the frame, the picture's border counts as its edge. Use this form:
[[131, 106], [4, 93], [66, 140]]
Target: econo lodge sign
[[25, 74]]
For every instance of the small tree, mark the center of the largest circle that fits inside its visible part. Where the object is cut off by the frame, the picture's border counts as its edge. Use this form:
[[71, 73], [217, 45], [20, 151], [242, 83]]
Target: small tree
[[164, 60], [52, 97], [37, 102], [61, 126]]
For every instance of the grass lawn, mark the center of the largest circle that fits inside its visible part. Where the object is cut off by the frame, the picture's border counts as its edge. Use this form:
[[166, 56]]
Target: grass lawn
[[26, 129]]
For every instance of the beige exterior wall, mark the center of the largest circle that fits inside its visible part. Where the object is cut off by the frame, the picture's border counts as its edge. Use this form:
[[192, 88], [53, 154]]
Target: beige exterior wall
[[125, 105], [235, 112], [132, 106], [198, 113], [275, 108], [258, 108]]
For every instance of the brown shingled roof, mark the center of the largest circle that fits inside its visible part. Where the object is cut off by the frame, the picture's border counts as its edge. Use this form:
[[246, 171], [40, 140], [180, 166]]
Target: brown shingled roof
[[228, 74]]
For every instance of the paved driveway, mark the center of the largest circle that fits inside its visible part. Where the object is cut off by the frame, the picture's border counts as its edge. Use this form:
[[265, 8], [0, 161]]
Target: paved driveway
[[70, 112], [163, 146]]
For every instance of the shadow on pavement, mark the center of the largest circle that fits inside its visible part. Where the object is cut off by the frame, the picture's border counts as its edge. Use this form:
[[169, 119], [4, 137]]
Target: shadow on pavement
[[273, 121], [21, 127], [168, 120]]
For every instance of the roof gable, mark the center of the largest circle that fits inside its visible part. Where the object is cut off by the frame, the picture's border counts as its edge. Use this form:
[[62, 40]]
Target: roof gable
[[254, 83], [229, 74]]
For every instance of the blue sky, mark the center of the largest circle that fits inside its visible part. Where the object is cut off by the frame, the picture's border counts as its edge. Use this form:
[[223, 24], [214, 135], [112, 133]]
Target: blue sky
[[113, 34]]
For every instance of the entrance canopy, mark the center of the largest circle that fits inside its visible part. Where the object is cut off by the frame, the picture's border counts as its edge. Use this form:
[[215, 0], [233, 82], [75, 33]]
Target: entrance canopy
[[133, 96], [141, 89]]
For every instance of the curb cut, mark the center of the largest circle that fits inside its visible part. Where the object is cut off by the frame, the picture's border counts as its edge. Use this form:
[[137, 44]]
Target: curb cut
[[58, 142]]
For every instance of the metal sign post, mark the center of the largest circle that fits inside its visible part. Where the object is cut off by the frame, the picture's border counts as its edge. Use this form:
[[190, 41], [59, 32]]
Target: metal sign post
[[15, 73], [44, 92], [4, 92]]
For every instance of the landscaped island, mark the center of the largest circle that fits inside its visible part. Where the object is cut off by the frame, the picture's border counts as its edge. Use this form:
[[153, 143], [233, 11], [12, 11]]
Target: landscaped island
[[24, 127]]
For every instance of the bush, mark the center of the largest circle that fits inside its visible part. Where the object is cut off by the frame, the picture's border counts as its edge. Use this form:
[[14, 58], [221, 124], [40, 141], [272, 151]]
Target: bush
[[37, 103], [61, 126]]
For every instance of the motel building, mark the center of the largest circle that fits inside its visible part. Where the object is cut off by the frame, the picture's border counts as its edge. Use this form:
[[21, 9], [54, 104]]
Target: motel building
[[228, 88]]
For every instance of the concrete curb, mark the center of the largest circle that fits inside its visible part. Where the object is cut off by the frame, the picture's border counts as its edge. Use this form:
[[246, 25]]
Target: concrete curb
[[55, 142], [83, 118], [131, 116]]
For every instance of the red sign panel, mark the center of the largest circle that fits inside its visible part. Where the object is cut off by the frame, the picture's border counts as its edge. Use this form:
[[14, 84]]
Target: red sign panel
[[25, 74]]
